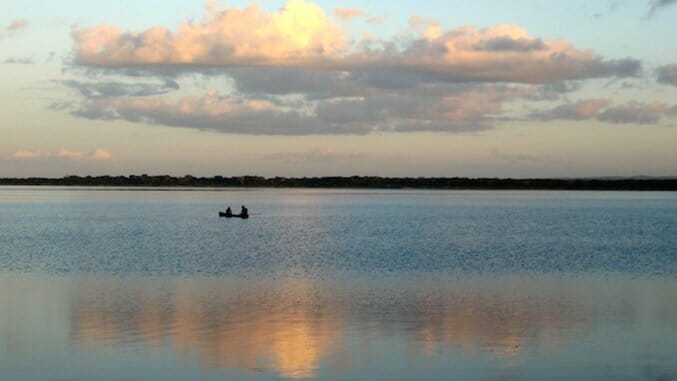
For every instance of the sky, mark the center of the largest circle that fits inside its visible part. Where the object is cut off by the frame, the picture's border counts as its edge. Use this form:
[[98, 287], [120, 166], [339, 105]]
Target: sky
[[484, 88]]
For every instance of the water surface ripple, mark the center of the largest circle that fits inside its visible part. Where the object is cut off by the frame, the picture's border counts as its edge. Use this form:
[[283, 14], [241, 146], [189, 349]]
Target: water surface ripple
[[318, 233], [111, 284]]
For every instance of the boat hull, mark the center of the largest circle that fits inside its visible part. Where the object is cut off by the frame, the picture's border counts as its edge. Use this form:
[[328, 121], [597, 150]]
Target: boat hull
[[223, 214]]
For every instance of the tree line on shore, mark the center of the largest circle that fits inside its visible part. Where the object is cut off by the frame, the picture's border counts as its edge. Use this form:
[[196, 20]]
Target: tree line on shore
[[667, 184]]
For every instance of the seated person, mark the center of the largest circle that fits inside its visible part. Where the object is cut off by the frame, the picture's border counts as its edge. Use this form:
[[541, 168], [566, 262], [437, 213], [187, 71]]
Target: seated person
[[229, 212], [244, 212]]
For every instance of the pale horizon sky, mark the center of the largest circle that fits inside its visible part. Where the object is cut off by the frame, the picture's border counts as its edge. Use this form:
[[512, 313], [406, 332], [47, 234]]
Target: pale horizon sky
[[321, 88]]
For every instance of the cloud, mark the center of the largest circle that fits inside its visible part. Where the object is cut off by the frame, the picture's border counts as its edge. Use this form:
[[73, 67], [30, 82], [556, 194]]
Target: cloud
[[657, 5], [101, 154], [631, 112], [311, 83], [507, 44], [250, 37], [19, 61], [554, 91], [526, 159], [444, 108], [65, 153], [434, 107], [322, 84], [98, 154], [421, 23], [505, 53], [316, 154], [296, 71], [667, 74], [347, 14], [16, 25], [581, 110], [212, 111], [672, 111], [115, 89], [635, 112], [26, 154], [296, 35], [13, 27]]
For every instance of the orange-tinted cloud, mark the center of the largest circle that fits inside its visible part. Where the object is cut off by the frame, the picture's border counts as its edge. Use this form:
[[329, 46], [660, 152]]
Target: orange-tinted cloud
[[17, 24], [298, 34], [301, 35], [13, 28], [502, 53], [584, 109], [26, 154], [65, 153], [101, 154], [98, 154], [347, 14], [450, 108], [211, 111]]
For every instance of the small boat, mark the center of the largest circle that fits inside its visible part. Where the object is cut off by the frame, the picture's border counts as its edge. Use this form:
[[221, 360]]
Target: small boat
[[223, 214]]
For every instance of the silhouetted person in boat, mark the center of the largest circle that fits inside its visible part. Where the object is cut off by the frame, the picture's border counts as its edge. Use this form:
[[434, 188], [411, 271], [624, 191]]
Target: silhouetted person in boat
[[229, 212], [244, 212]]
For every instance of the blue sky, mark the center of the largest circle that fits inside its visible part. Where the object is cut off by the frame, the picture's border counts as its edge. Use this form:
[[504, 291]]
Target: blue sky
[[481, 88]]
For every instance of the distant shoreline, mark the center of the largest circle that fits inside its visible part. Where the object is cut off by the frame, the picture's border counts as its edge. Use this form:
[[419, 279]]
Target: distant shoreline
[[356, 182]]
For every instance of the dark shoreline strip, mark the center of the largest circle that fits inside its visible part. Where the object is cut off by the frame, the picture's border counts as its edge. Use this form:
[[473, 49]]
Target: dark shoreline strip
[[359, 182]]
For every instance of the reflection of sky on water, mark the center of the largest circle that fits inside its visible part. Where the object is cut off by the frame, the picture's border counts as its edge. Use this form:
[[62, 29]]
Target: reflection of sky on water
[[475, 328]]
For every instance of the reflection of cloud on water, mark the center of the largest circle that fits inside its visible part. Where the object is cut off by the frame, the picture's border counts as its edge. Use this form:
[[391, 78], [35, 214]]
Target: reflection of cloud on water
[[501, 325], [287, 331], [295, 327], [504, 327]]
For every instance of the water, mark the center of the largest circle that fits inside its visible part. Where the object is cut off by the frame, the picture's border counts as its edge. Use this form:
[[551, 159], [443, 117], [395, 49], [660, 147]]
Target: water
[[113, 284]]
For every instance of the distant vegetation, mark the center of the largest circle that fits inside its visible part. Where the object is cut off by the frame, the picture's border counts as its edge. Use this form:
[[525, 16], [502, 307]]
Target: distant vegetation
[[665, 184]]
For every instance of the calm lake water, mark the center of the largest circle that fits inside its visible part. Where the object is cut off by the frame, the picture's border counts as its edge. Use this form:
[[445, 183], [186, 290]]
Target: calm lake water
[[110, 284]]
